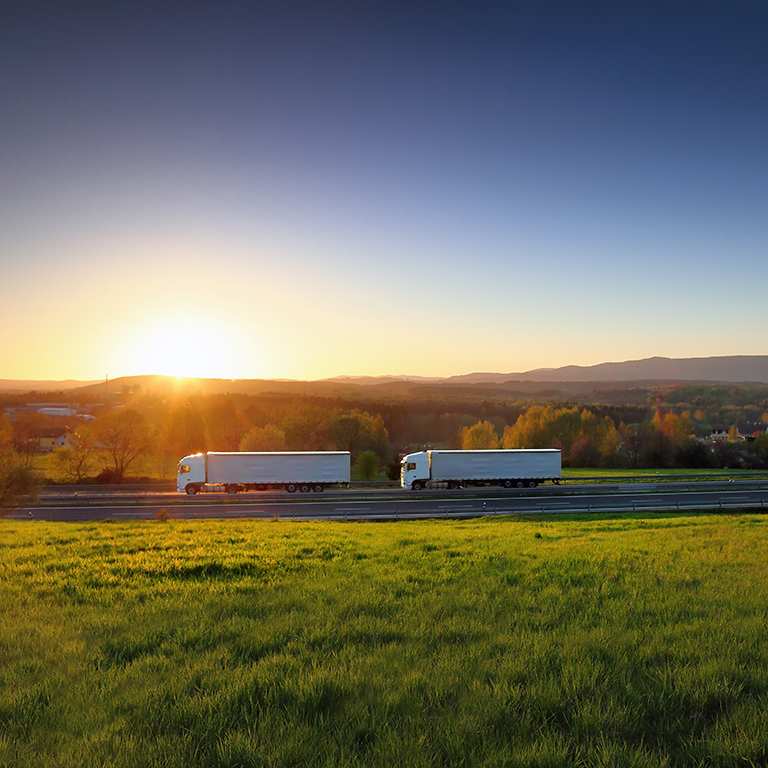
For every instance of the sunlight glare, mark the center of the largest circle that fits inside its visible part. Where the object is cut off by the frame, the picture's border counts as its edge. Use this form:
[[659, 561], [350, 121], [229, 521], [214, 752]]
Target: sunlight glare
[[188, 347]]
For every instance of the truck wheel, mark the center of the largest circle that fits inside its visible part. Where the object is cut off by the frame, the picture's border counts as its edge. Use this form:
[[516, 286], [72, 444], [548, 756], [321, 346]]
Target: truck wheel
[[417, 485], [191, 490], [291, 488], [318, 488], [231, 488], [453, 485]]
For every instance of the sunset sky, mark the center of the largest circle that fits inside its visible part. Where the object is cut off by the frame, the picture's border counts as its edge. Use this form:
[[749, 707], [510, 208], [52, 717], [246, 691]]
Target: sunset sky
[[310, 189]]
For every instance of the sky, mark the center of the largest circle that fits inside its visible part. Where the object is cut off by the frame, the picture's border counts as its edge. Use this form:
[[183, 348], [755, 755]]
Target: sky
[[310, 189]]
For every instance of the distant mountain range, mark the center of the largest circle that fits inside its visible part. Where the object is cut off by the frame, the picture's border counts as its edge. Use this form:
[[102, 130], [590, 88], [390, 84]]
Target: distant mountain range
[[40, 385], [728, 369], [734, 368]]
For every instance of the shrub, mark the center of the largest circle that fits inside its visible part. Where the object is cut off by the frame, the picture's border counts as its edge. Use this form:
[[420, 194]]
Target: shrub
[[18, 481]]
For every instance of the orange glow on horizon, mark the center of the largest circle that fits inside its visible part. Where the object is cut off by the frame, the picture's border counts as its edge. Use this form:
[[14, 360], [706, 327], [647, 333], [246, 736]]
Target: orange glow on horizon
[[187, 347]]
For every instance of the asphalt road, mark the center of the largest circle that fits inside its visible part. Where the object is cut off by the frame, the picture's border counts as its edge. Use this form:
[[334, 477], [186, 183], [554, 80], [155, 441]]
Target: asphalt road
[[399, 504]]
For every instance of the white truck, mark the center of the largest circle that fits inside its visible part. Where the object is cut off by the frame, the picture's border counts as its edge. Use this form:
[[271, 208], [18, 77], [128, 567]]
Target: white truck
[[232, 472], [511, 468]]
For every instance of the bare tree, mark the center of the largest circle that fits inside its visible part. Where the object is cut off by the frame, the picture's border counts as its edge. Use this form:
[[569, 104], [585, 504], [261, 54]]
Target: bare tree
[[78, 459], [123, 437]]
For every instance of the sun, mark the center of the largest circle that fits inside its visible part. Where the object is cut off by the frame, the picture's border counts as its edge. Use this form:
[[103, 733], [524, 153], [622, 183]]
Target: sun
[[188, 347]]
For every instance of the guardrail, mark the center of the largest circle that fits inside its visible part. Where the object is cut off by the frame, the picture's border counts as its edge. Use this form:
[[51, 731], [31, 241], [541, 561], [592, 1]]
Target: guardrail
[[85, 496], [651, 477], [589, 509]]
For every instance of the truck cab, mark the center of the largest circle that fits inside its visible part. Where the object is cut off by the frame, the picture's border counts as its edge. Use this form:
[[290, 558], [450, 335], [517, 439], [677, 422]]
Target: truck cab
[[414, 471], [190, 477]]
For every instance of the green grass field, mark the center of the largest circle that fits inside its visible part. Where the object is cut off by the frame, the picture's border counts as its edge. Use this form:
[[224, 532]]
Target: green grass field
[[636, 641]]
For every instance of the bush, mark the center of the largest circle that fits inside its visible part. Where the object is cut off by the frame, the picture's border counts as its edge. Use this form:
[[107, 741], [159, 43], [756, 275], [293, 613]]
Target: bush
[[367, 465], [18, 481]]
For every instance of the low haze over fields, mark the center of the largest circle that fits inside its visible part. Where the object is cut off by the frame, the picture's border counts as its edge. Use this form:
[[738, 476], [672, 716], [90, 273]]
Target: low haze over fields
[[307, 189]]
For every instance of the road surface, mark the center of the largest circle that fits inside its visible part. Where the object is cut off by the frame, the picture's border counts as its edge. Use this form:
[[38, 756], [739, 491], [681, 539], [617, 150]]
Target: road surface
[[401, 505]]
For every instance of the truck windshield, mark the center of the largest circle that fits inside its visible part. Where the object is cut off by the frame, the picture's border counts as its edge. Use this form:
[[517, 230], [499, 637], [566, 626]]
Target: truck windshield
[[183, 469]]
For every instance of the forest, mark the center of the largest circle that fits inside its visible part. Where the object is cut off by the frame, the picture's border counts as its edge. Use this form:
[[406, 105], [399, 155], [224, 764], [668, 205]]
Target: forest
[[109, 436]]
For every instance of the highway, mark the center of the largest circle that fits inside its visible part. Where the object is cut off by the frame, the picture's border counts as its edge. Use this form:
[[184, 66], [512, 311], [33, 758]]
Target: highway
[[397, 504]]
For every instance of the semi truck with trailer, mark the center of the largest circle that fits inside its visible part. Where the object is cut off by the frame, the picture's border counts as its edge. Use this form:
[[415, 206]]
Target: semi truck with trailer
[[302, 471], [509, 468]]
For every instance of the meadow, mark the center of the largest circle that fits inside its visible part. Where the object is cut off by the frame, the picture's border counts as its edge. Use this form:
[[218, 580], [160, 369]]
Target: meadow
[[555, 641]]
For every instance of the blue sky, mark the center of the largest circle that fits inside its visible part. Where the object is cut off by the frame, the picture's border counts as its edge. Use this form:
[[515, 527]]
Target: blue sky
[[301, 190]]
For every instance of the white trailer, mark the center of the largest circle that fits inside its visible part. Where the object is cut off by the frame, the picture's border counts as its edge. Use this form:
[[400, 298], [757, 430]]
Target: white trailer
[[295, 471], [512, 468]]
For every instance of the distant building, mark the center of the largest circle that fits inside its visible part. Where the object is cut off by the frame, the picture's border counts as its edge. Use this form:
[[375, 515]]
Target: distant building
[[750, 431], [45, 440], [746, 431], [51, 409]]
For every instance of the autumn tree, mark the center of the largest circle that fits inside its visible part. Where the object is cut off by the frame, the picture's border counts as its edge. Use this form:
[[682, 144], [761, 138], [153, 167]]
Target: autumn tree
[[543, 426], [610, 446], [479, 436], [124, 437], [669, 441], [531, 430], [583, 437], [584, 453]]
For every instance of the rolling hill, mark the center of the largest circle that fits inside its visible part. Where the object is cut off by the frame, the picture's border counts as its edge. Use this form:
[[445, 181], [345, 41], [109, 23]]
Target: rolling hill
[[726, 369]]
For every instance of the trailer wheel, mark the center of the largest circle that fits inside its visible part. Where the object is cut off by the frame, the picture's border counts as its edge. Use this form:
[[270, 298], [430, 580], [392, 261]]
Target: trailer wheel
[[506, 483], [318, 488], [304, 488], [291, 488], [520, 484], [532, 484], [417, 485]]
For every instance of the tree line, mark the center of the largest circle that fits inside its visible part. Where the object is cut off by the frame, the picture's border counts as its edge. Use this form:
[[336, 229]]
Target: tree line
[[663, 432], [587, 440]]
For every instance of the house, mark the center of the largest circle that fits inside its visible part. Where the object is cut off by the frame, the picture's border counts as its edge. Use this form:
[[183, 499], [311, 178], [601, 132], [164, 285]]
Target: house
[[750, 431], [45, 440], [746, 431]]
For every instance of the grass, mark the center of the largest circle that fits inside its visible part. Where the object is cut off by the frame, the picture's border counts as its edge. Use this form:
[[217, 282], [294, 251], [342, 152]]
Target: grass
[[639, 641]]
